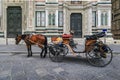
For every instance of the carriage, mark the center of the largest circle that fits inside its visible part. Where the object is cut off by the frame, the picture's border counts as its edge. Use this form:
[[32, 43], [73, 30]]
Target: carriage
[[96, 51]]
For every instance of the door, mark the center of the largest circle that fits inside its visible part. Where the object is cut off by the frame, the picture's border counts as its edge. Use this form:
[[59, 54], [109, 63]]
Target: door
[[14, 21], [76, 24]]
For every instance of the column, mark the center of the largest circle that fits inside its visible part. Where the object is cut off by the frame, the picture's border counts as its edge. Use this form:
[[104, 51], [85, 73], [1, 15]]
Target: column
[[66, 17], [1, 7], [99, 18], [89, 20]]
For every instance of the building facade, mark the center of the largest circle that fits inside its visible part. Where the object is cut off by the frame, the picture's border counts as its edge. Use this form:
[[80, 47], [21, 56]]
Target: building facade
[[116, 18], [54, 17]]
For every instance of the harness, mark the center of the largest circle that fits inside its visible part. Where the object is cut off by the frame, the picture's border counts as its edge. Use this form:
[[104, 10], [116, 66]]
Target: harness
[[27, 40]]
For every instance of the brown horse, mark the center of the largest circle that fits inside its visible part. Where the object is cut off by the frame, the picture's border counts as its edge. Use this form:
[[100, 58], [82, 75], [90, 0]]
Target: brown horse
[[33, 39]]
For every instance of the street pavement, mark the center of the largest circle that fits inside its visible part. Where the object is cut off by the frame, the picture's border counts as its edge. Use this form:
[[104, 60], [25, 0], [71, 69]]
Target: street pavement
[[22, 48], [15, 65]]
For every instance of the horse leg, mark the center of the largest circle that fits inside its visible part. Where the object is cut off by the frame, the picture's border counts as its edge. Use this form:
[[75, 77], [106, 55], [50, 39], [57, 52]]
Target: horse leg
[[28, 48], [45, 49], [41, 54], [30, 51]]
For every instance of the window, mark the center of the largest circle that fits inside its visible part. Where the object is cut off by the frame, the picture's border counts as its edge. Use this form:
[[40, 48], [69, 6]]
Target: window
[[76, 2], [60, 18], [119, 24], [0, 21], [94, 18], [40, 18], [104, 18], [51, 0], [51, 18], [117, 4]]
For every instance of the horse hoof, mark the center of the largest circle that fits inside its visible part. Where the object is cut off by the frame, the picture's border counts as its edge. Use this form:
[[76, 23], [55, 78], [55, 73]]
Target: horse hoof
[[44, 56], [28, 56]]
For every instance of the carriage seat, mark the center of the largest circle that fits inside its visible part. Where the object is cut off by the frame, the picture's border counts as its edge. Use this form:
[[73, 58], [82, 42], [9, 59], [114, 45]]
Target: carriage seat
[[91, 37], [66, 36], [95, 36]]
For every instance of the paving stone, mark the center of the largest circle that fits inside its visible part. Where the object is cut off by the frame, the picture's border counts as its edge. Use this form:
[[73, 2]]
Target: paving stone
[[63, 73], [5, 72], [48, 77], [32, 75], [19, 77], [58, 70], [6, 77], [16, 70], [6, 65], [42, 72], [59, 77]]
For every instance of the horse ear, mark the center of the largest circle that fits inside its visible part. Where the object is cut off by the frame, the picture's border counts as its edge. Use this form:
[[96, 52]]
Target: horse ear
[[16, 35]]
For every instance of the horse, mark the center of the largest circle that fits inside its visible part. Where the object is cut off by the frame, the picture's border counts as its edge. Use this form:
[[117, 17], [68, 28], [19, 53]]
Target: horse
[[33, 39]]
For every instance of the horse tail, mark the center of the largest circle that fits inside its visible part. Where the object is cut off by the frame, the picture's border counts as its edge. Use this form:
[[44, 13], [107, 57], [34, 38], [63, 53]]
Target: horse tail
[[45, 44], [45, 41]]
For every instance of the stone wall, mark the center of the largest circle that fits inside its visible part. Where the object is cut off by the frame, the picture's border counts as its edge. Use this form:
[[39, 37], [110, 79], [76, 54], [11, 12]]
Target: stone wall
[[116, 19]]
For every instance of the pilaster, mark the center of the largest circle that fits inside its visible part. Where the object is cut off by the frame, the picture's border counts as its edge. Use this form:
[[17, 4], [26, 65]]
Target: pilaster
[[66, 19], [99, 18], [109, 18], [30, 18], [56, 18], [46, 17]]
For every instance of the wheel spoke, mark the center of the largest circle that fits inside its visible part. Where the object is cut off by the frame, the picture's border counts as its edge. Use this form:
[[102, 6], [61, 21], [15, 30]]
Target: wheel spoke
[[56, 53]]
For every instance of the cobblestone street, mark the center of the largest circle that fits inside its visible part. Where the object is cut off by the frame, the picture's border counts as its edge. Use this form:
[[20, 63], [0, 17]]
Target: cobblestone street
[[16, 66]]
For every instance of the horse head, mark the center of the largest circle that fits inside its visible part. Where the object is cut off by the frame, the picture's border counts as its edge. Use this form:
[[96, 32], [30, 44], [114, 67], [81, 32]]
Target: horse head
[[18, 39]]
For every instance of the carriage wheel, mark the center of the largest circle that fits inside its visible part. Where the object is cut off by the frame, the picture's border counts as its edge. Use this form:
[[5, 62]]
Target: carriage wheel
[[56, 54], [95, 58]]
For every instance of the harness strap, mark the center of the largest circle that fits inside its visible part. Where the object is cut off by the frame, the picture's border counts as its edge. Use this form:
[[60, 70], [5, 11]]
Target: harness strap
[[40, 45]]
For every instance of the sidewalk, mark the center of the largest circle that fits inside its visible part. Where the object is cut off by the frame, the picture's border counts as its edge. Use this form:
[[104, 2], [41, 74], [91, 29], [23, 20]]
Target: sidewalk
[[18, 48], [115, 48], [35, 48]]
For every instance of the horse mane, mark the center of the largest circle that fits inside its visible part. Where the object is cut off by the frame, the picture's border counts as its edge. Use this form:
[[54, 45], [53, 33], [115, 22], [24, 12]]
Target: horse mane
[[23, 36]]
